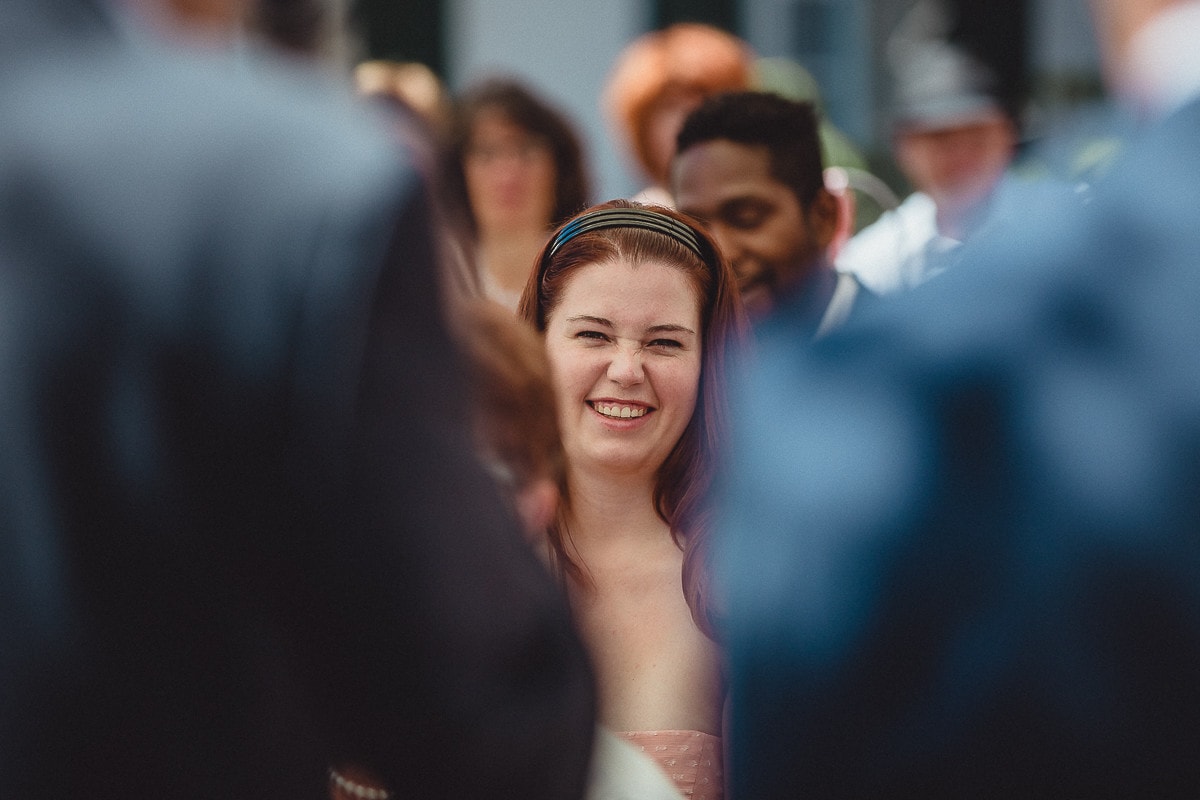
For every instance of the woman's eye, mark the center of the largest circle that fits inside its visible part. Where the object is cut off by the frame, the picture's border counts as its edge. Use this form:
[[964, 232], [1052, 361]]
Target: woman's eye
[[593, 335], [666, 344]]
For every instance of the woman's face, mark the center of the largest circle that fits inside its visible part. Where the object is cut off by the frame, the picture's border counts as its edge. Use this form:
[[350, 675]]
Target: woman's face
[[510, 175], [624, 345]]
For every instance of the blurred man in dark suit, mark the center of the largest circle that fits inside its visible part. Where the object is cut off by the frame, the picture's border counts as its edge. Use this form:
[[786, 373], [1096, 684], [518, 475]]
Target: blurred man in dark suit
[[961, 539], [242, 531]]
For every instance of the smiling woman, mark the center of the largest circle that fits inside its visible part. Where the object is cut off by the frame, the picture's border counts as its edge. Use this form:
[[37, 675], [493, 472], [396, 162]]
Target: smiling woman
[[638, 310]]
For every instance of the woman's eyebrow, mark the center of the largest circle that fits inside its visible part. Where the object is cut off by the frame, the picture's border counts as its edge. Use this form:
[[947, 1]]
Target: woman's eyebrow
[[591, 319], [666, 327], [670, 328]]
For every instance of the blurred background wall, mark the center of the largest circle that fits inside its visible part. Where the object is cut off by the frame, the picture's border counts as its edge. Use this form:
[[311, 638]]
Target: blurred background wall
[[1042, 49]]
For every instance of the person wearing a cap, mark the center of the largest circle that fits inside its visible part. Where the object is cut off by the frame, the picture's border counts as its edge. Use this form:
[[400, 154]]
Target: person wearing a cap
[[954, 139]]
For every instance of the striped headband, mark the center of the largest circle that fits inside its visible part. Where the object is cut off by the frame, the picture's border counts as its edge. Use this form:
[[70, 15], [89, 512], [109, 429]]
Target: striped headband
[[642, 218]]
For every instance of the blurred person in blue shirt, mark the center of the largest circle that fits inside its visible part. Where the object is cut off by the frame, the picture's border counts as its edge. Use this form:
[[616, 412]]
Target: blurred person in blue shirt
[[959, 550]]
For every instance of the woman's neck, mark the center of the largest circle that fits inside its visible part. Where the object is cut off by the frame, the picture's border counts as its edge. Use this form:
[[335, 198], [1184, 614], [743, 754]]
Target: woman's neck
[[607, 509]]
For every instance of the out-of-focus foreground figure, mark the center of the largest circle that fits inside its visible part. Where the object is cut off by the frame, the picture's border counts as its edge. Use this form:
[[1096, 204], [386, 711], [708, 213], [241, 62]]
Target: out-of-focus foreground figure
[[959, 538], [243, 534]]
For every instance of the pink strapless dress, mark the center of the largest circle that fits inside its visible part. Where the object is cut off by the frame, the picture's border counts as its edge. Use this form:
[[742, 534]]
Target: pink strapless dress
[[693, 760]]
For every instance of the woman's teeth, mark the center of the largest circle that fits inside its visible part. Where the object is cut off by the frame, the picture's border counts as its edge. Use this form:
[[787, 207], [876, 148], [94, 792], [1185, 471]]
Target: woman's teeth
[[623, 412]]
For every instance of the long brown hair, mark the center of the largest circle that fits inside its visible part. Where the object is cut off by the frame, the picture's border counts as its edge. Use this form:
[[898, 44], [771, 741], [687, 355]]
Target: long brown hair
[[681, 493]]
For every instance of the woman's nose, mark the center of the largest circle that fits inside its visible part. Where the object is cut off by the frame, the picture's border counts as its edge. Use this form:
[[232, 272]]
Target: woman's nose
[[626, 366]]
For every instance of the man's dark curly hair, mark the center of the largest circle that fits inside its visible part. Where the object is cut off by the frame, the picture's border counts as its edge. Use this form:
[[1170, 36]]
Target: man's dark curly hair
[[787, 128]]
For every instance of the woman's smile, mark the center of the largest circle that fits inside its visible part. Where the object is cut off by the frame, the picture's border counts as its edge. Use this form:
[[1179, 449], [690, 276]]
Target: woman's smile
[[615, 409]]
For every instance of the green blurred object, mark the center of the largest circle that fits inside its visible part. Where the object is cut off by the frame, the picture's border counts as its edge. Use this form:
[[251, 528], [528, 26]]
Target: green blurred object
[[789, 78]]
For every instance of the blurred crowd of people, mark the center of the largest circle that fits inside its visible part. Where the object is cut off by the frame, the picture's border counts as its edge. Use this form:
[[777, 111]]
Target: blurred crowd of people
[[354, 449]]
